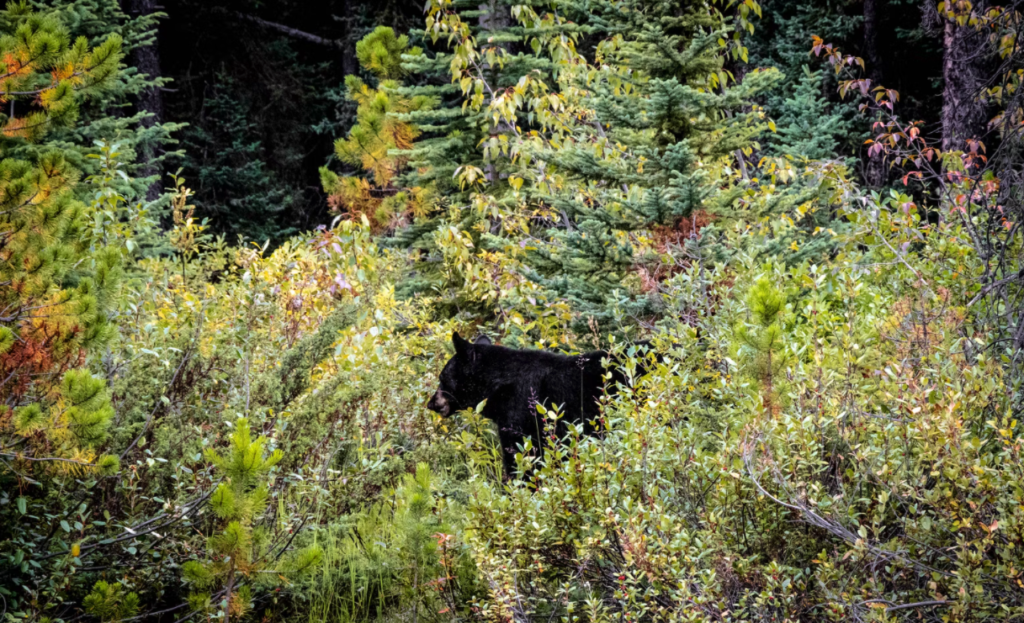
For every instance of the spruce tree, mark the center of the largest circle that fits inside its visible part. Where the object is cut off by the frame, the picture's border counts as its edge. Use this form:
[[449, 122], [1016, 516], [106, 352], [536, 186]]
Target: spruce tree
[[807, 126], [660, 133], [564, 139], [235, 189], [806, 97], [592, 123], [478, 52]]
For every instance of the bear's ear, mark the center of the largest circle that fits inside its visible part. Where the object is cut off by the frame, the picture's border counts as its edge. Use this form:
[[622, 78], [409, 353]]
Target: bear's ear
[[461, 345], [483, 340]]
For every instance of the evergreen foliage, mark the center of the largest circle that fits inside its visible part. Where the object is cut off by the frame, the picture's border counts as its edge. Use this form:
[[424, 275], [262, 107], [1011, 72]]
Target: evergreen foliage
[[59, 283], [286, 104], [376, 137], [103, 116], [241, 550], [234, 186], [580, 153], [109, 602], [673, 122], [812, 121], [762, 348], [465, 147], [807, 127], [48, 72]]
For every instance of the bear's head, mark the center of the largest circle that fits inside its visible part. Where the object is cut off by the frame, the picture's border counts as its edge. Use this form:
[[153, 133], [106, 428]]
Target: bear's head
[[462, 386]]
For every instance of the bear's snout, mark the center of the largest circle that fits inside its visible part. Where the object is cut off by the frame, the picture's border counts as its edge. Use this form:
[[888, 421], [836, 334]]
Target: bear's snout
[[438, 404]]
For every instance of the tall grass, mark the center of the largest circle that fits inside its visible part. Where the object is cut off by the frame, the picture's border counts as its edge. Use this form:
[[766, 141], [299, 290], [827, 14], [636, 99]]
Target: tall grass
[[358, 579]]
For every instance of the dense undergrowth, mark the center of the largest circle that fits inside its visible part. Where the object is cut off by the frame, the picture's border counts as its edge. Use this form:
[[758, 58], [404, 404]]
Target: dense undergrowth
[[193, 430]]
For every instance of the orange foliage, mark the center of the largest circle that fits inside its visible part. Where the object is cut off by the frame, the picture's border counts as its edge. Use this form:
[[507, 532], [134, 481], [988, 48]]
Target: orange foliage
[[663, 236]]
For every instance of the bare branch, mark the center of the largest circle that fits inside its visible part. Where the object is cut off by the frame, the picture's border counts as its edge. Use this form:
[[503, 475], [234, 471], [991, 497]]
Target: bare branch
[[292, 32]]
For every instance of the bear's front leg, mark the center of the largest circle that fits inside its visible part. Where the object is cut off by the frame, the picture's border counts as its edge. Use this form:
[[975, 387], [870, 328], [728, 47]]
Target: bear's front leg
[[510, 442]]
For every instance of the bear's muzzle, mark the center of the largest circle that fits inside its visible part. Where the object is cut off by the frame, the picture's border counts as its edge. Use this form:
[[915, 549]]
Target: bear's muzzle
[[439, 404]]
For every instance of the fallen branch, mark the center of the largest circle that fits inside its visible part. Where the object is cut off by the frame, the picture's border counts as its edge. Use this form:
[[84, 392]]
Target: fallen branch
[[291, 32]]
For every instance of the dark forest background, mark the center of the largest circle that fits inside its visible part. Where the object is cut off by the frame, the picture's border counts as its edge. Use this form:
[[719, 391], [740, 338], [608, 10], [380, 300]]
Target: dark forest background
[[260, 86]]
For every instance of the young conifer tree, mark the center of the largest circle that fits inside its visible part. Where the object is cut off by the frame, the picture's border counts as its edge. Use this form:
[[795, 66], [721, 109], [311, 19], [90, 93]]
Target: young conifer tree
[[803, 95], [761, 345], [376, 143], [808, 127], [481, 52], [56, 286], [660, 133], [242, 553]]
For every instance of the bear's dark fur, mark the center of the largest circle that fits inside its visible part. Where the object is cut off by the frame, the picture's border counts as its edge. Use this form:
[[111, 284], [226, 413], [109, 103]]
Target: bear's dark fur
[[514, 381]]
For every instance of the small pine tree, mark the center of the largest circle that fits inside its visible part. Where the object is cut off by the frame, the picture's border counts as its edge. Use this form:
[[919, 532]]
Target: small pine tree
[[761, 342], [109, 602], [416, 526], [379, 133], [58, 283], [240, 551]]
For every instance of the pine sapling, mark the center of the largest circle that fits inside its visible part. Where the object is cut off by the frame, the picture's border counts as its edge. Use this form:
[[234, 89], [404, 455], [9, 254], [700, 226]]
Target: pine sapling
[[761, 350], [239, 555]]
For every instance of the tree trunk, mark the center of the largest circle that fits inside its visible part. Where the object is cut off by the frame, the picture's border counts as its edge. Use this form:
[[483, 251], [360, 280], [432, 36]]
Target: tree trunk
[[147, 60], [494, 16], [229, 588], [872, 56], [963, 113], [874, 169], [349, 62]]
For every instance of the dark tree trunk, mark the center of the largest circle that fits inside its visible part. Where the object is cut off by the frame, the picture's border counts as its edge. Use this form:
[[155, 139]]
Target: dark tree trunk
[[872, 55], [147, 60], [874, 169], [494, 16], [349, 62], [963, 112]]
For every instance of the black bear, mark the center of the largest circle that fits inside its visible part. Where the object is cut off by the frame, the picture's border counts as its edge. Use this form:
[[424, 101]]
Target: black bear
[[514, 381]]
